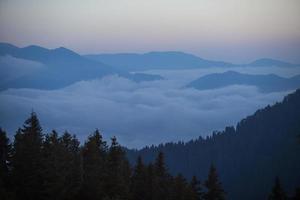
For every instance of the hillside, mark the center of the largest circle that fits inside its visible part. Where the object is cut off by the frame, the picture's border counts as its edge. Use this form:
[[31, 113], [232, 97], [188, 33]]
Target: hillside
[[248, 156], [264, 62], [61, 67], [265, 83], [156, 60], [174, 60]]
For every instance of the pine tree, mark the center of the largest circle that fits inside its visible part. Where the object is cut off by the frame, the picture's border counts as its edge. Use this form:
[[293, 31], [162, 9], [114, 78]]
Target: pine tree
[[94, 155], [277, 191], [180, 189], [139, 181], [5, 155], [214, 187], [118, 173], [161, 182], [60, 167], [195, 185], [149, 182], [27, 159], [53, 181], [160, 166], [73, 164]]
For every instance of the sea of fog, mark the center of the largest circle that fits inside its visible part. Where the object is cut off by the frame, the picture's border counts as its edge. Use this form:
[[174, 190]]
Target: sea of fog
[[140, 114]]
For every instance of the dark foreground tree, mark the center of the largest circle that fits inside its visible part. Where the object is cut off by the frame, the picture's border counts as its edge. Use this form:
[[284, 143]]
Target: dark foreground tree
[[197, 193], [72, 160], [161, 179], [213, 185], [61, 166], [27, 160], [277, 191], [5, 155], [56, 167], [149, 182], [138, 187], [94, 155], [53, 165], [118, 173], [180, 189]]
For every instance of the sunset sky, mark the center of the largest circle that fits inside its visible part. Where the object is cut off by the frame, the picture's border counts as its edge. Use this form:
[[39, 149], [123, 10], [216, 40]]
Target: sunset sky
[[230, 30]]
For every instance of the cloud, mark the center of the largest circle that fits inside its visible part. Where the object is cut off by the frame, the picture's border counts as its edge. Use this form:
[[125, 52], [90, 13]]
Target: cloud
[[137, 113], [12, 68]]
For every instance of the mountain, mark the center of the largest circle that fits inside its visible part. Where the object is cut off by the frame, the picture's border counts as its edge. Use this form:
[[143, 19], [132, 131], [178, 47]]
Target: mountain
[[173, 60], [266, 62], [265, 83], [156, 60], [62, 67], [248, 157]]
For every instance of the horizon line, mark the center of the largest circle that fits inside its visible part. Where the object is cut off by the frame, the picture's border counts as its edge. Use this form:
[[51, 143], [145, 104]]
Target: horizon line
[[146, 52]]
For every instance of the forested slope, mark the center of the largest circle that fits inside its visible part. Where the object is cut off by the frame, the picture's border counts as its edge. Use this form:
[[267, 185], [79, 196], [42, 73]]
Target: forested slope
[[248, 156]]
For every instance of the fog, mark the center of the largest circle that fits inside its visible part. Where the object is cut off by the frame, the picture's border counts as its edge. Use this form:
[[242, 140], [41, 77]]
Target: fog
[[138, 114], [13, 68]]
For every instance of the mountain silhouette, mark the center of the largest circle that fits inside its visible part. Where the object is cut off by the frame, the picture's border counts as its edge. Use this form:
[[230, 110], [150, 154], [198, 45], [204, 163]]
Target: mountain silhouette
[[174, 60], [63, 67], [266, 62], [265, 83], [156, 60]]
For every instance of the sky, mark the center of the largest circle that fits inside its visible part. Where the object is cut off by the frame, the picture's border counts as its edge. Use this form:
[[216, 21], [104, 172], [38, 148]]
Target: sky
[[231, 30], [146, 113]]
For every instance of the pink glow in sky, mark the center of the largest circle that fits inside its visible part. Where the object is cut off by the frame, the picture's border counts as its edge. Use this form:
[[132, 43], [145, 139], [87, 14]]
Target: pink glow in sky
[[230, 30]]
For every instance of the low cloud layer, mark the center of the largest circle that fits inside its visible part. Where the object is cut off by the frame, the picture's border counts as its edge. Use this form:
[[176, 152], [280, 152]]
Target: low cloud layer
[[137, 113], [12, 68]]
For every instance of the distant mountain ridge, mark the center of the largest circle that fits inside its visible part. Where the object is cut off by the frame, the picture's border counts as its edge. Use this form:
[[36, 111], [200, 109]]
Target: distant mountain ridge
[[265, 83], [37, 53], [128, 62], [264, 62], [156, 60], [63, 67], [173, 60], [248, 157]]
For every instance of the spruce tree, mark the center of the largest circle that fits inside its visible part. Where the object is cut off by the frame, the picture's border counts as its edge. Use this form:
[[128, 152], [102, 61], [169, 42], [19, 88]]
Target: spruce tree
[[160, 166], [73, 164], [139, 180], [195, 185], [213, 186], [180, 190], [94, 154], [27, 159], [277, 191], [118, 173], [161, 182], [51, 180], [52, 170], [150, 176], [60, 169], [5, 155]]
